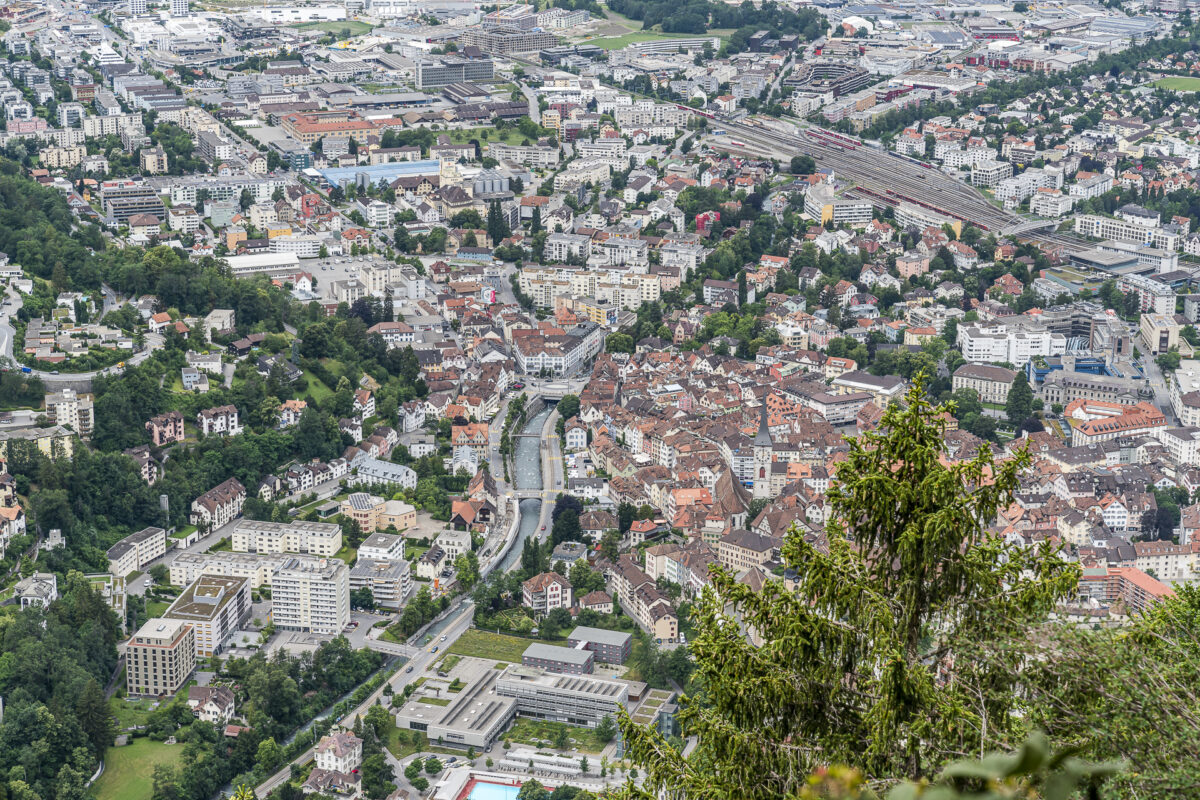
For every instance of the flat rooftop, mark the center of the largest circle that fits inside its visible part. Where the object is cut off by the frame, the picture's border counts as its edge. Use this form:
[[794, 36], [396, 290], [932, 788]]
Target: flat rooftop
[[205, 598], [581, 684], [549, 652], [599, 635], [472, 710], [381, 172]]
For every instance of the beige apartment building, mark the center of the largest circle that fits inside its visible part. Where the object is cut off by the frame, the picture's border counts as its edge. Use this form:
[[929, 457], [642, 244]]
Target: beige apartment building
[[160, 657]]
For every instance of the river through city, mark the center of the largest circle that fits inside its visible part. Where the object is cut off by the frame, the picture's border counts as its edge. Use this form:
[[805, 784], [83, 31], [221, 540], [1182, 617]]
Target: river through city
[[527, 474]]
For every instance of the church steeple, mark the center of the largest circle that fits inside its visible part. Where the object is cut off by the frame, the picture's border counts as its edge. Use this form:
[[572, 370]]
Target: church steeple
[[763, 437], [762, 455]]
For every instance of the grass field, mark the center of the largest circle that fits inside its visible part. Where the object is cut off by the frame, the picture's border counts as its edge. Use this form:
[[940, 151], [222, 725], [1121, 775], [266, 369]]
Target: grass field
[[1179, 84], [129, 770], [316, 388], [494, 646], [348, 554], [356, 28], [406, 748], [617, 42], [464, 135], [156, 608], [131, 713]]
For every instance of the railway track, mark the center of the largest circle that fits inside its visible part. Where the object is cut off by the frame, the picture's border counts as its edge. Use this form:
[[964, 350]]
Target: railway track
[[886, 178]]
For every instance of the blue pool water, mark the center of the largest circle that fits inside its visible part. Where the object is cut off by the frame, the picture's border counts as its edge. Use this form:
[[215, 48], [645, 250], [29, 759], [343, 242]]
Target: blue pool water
[[493, 791]]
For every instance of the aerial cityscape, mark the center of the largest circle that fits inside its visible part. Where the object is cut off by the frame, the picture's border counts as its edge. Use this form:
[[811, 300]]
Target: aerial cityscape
[[628, 399]]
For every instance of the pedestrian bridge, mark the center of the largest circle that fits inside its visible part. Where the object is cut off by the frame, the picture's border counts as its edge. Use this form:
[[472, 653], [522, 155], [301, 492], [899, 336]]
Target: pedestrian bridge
[[1030, 226]]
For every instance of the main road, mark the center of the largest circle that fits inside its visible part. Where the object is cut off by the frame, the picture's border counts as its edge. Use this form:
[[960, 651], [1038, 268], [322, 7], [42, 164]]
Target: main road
[[457, 620], [453, 622], [12, 303]]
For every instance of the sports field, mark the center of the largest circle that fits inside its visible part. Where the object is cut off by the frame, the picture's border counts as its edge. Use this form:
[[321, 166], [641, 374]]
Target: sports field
[[1179, 84]]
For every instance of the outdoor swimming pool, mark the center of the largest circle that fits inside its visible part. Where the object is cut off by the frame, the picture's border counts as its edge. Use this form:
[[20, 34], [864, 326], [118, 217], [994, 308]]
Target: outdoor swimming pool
[[493, 791]]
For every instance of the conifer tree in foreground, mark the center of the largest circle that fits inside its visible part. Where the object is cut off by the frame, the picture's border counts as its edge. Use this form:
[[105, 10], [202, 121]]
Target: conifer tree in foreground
[[858, 664]]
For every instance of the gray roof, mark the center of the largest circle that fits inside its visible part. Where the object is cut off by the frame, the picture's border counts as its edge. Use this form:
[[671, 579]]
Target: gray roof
[[549, 652], [599, 635]]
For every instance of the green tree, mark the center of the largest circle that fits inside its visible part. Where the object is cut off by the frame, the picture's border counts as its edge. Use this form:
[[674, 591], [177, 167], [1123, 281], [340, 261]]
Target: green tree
[[1020, 400], [91, 709], [606, 729], [802, 165], [433, 765], [533, 790], [269, 755], [467, 568], [619, 343], [859, 664], [497, 226], [568, 406], [566, 527]]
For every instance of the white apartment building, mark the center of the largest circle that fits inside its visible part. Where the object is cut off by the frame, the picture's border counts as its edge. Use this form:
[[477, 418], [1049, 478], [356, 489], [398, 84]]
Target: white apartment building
[[969, 157], [136, 550], [1153, 296], [620, 250], [988, 174], [611, 151], [70, 410], [296, 536], [382, 547], [1124, 231], [562, 246], [529, 155], [112, 125], [303, 245], [218, 506], [1051, 203], [311, 596], [219, 421], [992, 344], [1091, 187], [390, 581], [1182, 443], [183, 219], [376, 213], [1015, 190], [257, 568], [581, 171]]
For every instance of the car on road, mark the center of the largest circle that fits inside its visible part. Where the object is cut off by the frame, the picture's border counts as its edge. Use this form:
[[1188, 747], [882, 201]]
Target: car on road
[[543, 527], [443, 638], [434, 650], [409, 668]]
